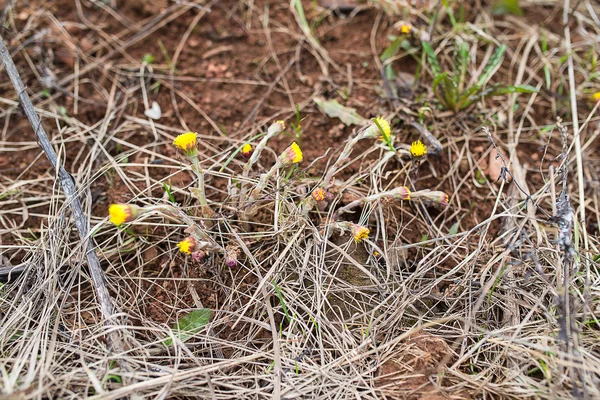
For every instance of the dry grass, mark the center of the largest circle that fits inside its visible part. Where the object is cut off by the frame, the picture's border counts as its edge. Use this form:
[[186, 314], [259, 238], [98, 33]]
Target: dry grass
[[481, 299]]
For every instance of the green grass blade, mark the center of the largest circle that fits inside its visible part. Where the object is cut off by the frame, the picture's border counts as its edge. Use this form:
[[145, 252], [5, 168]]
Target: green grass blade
[[493, 63], [436, 70]]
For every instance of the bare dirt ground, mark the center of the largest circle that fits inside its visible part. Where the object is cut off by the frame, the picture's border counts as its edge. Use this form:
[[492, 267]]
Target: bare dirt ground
[[493, 295]]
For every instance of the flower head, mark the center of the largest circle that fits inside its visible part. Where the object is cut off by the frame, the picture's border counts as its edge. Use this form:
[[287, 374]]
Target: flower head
[[121, 213], [247, 151], [291, 155], [276, 127], [402, 193], [405, 28], [438, 196], [231, 256], [373, 131], [318, 194], [198, 255], [187, 142], [595, 97], [187, 245], [360, 232], [418, 149]]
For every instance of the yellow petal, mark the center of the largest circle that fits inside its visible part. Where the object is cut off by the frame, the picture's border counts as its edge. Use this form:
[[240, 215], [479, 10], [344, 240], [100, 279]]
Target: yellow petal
[[187, 142], [418, 149]]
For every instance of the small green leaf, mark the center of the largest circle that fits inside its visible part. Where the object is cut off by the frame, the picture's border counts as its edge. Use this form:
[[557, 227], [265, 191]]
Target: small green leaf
[[503, 7], [493, 63], [169, 191], [436, 70], [392, 49], [500, 90], [148, 59], [190, 324], [453, 229], [333, 109]]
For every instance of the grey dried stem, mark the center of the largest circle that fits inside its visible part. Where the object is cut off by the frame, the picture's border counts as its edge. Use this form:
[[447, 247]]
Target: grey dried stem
[[67, 183]]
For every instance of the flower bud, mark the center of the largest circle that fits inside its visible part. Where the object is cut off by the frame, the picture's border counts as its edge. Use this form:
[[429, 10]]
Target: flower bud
[[438, 197], [291, 155], [402, 193], [373, 131], [276, 127], [318, 194], [360, 232], [198, 255], [231, 256], [247, 151]]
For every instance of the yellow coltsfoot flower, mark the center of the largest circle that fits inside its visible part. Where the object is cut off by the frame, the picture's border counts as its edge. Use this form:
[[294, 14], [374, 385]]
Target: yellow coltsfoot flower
[[418, 149], [187, 245], [291, 155], [373, 132], [187, 143], [595, 97], [360, 232], [318, 194], [405, 28], [247, 151], [121, 213]]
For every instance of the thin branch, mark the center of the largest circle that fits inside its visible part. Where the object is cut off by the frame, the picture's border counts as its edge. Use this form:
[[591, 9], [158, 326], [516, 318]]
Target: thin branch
[[68, 186]]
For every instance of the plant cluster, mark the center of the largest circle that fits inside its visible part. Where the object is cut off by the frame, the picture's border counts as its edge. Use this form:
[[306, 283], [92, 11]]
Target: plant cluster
[[252, 194]]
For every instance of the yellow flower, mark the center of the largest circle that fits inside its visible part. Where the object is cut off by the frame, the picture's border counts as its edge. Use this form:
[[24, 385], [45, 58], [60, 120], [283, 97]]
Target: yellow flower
[[373, 131], [121, 213], [187, 245], [318, 194], [247, 150], [187, 142], [281, 122], [360, 232], [291, 155], [595, 97], [418, 149], [405, 28]]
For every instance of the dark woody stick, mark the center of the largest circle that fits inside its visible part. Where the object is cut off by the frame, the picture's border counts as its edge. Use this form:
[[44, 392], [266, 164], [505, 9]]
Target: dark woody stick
[[114, 341]]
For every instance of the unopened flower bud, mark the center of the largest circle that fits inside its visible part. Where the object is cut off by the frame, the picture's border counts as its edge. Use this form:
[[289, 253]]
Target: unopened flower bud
[[291, 155], [402, 193], [247, 151], [198, 255], [318, 194], [276, 127], [373, 131], [231, 256]]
